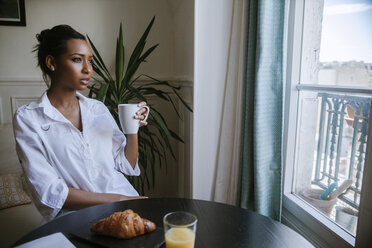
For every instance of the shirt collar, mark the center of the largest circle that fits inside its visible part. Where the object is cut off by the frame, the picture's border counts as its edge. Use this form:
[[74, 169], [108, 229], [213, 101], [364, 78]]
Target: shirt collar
[[50, 111], [82, 98]]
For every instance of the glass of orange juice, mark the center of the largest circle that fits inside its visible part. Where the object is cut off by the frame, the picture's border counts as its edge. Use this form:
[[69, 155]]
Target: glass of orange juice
[[179, 229]]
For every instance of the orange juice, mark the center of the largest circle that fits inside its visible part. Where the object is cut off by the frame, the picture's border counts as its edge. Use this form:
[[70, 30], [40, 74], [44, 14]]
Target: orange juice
[[180, 237]]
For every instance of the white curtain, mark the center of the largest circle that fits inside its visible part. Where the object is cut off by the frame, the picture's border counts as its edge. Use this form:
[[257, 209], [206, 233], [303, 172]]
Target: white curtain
[[226, 178]]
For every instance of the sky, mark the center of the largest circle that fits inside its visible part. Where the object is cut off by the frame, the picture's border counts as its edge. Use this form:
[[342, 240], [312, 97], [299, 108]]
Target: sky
[[347, 31]]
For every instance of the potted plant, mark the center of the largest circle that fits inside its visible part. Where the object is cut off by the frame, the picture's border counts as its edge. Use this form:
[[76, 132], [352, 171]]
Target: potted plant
[[154, 139]]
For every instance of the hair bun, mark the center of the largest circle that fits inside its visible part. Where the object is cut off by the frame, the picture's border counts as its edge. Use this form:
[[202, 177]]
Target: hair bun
[[43, 35]]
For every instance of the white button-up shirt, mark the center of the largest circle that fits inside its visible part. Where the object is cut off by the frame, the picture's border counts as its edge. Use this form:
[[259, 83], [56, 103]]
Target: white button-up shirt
[[55, 155]]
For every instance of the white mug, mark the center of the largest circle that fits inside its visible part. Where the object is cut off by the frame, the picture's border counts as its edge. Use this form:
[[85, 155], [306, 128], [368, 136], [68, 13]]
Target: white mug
[[126, 117]]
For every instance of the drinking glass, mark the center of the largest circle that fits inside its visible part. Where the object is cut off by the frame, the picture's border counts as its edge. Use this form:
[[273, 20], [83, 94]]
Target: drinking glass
[[179, 229]]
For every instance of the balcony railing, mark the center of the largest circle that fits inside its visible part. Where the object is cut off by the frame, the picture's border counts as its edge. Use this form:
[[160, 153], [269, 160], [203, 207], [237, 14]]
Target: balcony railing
[[342, 139]]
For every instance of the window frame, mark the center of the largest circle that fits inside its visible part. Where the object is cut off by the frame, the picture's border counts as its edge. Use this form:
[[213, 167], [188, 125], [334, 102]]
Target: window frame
[[297, 213]]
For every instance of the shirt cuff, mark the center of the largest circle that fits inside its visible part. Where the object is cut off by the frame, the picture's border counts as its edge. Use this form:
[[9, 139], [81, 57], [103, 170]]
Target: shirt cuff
[[51, 207], [122, 164]]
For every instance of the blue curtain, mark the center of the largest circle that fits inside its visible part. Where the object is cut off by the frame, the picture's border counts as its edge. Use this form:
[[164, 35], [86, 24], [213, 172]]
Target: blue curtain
[[261, 161]]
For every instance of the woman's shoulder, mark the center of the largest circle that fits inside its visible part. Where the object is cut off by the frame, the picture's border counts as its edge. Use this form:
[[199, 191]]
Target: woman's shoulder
[[32, 107], [95, 103], [27, 109], [96, 106], [27, 114]]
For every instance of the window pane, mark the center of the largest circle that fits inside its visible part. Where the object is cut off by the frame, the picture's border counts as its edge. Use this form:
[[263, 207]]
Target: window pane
[[331, 150], [337, 41]]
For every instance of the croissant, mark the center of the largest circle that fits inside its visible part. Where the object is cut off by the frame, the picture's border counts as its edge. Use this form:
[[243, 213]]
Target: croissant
[[123, 225]]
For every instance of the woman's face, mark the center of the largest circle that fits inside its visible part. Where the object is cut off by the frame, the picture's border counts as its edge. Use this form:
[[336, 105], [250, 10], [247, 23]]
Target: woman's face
[[73, 69]]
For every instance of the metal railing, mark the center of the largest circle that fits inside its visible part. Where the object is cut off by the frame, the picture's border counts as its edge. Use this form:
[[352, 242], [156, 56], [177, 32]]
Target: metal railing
[[343, 126]]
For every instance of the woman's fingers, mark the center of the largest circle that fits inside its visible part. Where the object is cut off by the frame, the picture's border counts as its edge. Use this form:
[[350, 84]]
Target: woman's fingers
[[143, 123], [141, 114], [141, 111], [140, 117], [142, 104]]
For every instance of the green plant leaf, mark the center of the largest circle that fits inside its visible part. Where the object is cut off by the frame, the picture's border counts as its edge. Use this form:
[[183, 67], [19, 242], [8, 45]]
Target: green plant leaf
[[175, 135], [140, 44], [97, 58], [135, 92], [152, 91], [101, 95], [146, 139], [175, 90], [99, 71], [102, 75], [167, 145], [134, 80], [134, 66], [158, 82], [183, 101], [100, 67], [154, 140], [155, 144], [160, 124], [149, 157], [159, 119], [147, 53], [119, 64], [91, 90], [146, 154], [158, 142], [174, 107]]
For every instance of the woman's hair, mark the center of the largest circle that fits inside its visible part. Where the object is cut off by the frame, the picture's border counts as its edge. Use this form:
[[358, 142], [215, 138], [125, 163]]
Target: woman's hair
[[53, 42]]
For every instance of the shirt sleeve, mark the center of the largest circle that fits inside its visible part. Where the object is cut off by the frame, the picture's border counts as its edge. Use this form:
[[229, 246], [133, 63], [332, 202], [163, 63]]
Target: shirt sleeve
[[48, 190], [118, 144]]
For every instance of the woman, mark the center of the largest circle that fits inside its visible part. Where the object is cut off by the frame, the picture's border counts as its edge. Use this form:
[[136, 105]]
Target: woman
[[71, 150]]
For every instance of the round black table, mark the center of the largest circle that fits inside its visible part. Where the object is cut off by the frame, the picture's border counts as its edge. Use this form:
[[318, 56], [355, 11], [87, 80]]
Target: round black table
[[219, 225]]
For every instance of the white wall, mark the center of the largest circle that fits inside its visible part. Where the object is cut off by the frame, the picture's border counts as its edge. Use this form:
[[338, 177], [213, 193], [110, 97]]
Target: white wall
[[212, 20], [100, 20], [20, 79]]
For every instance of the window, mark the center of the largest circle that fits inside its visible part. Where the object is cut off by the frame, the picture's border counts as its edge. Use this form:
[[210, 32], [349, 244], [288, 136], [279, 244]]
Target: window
[[328, 106]]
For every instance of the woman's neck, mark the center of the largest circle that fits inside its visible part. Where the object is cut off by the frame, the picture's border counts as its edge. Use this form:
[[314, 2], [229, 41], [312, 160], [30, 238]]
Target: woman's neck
[[61, 98], [67, 104]]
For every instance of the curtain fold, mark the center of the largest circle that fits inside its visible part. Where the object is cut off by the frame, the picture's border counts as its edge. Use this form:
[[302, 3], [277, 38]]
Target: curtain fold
[[261, 157], [225, 187]]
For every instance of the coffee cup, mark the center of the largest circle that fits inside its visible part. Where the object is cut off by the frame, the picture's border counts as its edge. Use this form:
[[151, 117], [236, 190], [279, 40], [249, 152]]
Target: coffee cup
[[126, 113]]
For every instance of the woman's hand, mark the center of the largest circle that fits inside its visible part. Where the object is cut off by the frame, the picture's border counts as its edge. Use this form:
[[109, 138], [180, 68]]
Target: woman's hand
[[131, 149], [141, 114]]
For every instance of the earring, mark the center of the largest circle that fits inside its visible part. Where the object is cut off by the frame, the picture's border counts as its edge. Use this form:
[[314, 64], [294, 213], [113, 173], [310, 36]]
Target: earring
[[51, 68]]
